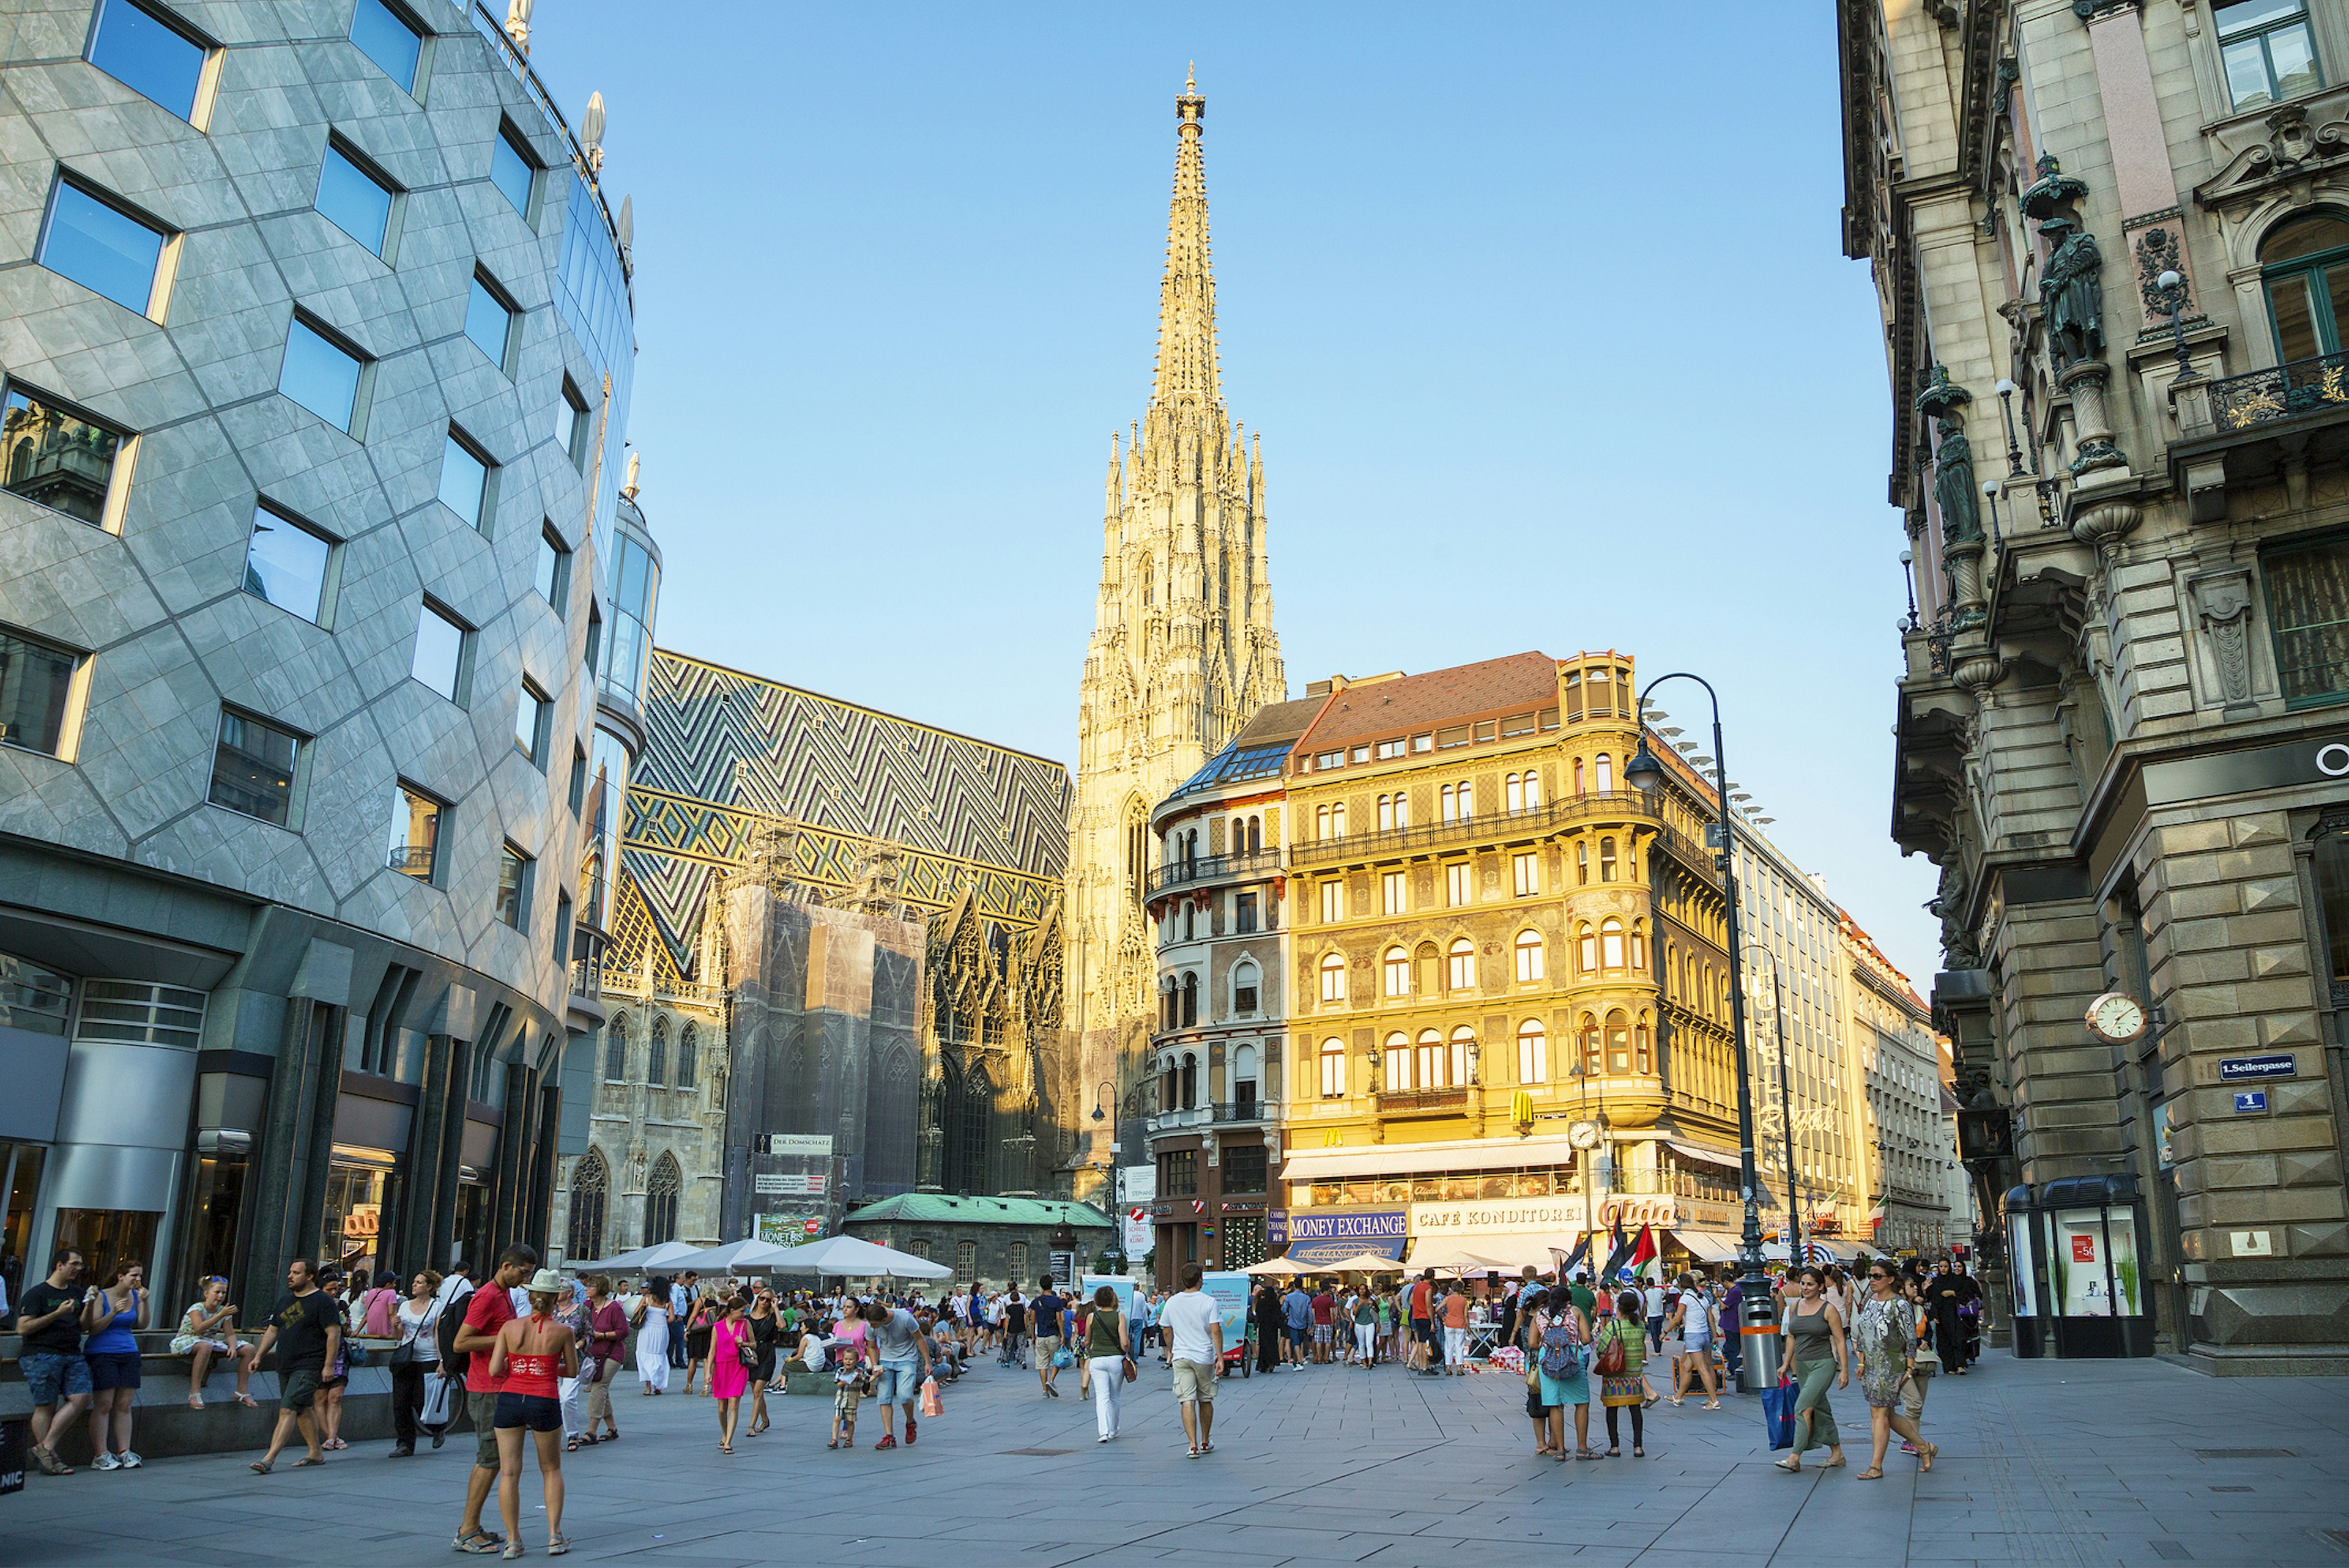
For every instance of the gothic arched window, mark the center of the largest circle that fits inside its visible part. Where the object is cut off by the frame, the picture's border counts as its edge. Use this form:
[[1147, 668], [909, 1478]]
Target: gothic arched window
[[687, 1052], [615, 1050], [661, 1201], [590, 1179], [974, 1121], [657, 1059]]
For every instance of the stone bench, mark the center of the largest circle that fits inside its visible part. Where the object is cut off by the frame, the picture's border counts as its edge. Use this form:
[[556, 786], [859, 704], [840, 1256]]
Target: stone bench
[[162, 1425]]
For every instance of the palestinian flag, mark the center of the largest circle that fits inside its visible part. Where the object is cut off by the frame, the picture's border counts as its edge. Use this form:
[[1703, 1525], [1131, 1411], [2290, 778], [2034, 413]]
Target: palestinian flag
[[1620, 1253], [1646, 1258]]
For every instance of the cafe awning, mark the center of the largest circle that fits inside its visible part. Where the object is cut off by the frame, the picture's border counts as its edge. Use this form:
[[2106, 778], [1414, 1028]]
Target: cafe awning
[[1727, 1159], [1711, 1246], [1506, 1252], [1463, 1155]]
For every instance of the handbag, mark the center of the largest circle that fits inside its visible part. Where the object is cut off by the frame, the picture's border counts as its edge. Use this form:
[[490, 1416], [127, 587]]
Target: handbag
[[746, 1350], [1778, 1414], [1613, 1360], [1127, 1366], [1064, 1358]]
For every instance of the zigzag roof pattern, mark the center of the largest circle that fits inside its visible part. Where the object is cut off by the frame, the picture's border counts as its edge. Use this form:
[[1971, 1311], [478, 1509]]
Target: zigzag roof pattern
[[724, 748]]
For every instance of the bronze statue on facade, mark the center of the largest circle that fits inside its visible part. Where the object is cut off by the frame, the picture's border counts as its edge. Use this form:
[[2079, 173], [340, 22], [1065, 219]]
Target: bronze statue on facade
[[1953, 485], [2071, 297]]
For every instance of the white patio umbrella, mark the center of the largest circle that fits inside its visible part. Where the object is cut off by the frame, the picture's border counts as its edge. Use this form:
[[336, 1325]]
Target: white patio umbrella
[[1363, 1263], [1278, 1268], [852, 1257], [734, 1257], [661, 1255]]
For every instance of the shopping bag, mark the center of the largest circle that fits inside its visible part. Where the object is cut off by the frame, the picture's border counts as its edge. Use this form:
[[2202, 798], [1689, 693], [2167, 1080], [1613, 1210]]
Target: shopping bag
[[437, 1398], [1778, 1411], [933, 1402]]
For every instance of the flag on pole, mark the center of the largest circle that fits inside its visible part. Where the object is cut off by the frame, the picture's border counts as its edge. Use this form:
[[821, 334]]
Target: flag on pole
[[1617, 1254], [1565, 1262], [1648, 1257]]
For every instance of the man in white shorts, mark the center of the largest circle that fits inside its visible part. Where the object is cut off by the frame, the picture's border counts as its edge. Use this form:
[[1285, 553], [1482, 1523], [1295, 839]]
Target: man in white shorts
[[1194, 1333]]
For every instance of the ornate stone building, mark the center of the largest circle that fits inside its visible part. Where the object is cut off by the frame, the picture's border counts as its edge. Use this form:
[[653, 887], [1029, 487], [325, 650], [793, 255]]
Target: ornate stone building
[[859, 917], [2106, 239], [1183, 648], [1905, 1145], [1494, 939], [1211, 1109]]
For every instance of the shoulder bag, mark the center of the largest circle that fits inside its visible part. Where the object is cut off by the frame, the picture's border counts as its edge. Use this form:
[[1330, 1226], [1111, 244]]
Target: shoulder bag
[[1613, 1360]]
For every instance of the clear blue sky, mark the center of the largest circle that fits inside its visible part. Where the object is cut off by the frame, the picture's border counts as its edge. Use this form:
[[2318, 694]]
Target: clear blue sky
[[1541, 312]]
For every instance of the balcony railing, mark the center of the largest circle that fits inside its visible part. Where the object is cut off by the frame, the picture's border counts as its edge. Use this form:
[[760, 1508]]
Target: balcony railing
[[1628, 804], [1222, 1111], [1174, 873], [2303, 386], [414, 859], [587, 978], [1407, 1101]]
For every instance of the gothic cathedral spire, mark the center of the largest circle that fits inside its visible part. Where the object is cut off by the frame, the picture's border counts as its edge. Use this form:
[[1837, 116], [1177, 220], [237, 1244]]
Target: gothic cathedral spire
[[1183, 650]]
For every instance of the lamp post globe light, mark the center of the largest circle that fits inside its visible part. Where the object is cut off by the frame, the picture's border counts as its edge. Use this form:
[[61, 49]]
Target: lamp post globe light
[[1645, 773]]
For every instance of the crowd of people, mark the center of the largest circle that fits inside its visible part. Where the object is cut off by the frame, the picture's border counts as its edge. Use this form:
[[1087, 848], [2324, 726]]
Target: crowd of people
[[530, 1354]]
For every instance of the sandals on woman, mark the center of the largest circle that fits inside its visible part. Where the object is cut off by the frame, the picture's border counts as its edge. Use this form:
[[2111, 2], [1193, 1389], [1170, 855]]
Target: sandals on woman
[[1927, 1455], [1871, 1473]]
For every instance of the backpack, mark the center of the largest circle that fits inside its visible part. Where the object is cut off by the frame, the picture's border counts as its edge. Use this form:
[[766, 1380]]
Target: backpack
[[454, 1361], [1560, 1356]]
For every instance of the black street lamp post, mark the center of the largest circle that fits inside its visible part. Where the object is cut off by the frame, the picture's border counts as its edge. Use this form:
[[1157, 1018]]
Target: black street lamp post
[[1646, 774], [1108, 1091]]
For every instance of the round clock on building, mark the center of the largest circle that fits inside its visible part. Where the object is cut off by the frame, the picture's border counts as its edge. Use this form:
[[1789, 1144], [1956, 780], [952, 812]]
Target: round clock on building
[[2116, 1018], [1583, 1135]]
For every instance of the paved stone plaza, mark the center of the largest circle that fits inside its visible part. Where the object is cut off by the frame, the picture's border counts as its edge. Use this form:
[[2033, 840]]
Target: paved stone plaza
[[2079, 1464]]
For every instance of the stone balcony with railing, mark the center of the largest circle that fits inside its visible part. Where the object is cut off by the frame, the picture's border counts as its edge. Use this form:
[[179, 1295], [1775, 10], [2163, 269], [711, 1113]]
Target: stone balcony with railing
[[1222, 1113]]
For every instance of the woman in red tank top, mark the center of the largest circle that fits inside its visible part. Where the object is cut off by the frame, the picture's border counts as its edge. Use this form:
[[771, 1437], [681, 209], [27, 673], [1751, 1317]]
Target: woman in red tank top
[[532, 1353]]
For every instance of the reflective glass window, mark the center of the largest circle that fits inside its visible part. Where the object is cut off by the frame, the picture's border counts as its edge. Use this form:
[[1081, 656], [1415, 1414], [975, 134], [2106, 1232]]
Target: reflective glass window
[[36, 679], [353, 200], [102, 248], [57, 459], [415, 832], [321, 376], [252, 768], [439, 651], [529, 722], [553, 568], [154, 59], [383, 36], [488, 322], [510, 168], [514, 887], [286, 565], [464, 479]]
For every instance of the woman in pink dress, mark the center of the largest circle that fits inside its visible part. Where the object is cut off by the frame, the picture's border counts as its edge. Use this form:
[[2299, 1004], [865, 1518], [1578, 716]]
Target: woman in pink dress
[[730, 1373]]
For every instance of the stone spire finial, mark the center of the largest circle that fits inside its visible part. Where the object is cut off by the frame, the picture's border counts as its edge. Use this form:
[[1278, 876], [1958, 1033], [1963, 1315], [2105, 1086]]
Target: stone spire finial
[[1186, 295]]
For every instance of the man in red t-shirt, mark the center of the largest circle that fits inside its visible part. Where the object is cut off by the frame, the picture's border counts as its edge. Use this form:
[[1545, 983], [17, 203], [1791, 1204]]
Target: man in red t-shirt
[[1422, 1327], [1325, 1309], [490, 1310]]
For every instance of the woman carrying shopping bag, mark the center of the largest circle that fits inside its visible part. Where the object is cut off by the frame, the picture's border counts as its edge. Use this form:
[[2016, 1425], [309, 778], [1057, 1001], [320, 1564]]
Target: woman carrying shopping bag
[[1813, 1346]]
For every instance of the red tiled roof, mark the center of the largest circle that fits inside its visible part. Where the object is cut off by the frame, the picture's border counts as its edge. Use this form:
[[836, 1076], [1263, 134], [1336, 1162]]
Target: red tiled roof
[[1408, 703]]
